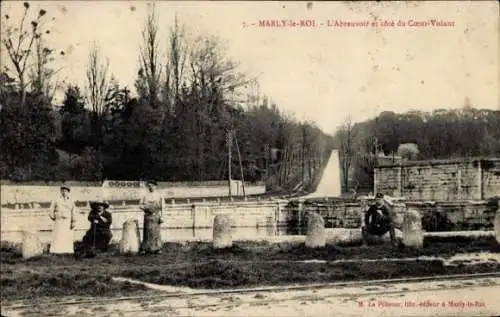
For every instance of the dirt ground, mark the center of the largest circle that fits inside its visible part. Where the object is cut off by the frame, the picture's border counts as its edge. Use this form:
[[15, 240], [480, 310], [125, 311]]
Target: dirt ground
[[246, 264], [470, 297]]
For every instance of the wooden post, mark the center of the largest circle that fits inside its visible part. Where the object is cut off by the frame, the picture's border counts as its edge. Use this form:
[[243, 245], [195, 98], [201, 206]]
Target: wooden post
[[241, 165], [229, 142], [193, 215]]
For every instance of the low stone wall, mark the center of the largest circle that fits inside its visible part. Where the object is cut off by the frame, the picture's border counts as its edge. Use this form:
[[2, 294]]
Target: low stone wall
[[337, 213], [201, 215], [11, 194], [439, 216]]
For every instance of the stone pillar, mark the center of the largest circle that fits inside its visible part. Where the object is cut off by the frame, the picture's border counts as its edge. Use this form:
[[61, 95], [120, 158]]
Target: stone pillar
[[497, 223], [316, 237], [131, 239], [222, 232], [459, 184], [399, 190], [300, 209], [412, 229], [480, 180], [277, 214], [32, 246]]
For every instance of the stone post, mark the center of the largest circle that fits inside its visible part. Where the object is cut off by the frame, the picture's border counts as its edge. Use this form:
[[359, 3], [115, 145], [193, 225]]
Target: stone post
[[316, 237], [32, 246], [131, 239], [222, 232], [300, 209], [412, 229]]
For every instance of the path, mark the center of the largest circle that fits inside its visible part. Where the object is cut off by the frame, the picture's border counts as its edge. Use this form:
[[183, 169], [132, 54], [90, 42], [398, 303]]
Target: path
[[469, 297]]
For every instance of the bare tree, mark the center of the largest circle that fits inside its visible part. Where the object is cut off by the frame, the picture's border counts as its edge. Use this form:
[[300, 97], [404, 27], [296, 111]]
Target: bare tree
[[346, 138], [149, 81], [98, 87], [177, 57], [18, 41], [368, 148], [211, 69], [42, 74]]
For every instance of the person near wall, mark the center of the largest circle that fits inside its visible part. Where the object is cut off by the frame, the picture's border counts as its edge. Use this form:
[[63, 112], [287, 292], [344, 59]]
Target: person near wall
[[378, 220], [99, 235], [62, 213], [152, 205]]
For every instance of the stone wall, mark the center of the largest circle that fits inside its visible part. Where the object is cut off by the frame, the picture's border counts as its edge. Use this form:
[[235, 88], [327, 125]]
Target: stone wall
[[198, 215], [31, 193], [444, 180], [441, 216]]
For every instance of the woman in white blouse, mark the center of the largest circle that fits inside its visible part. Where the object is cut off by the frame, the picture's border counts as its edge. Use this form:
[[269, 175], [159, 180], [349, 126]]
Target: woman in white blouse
[[152, 205], [63, 214]]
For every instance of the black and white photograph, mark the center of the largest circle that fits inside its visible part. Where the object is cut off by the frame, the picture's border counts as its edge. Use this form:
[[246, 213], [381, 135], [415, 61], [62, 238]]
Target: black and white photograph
[[249, 158]]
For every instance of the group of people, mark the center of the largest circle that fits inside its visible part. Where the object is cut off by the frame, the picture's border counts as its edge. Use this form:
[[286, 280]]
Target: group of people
[[378, 220], [99, 235]]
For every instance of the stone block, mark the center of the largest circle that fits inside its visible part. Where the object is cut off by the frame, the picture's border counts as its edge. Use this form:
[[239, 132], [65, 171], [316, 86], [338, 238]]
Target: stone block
[[222, 232], [131, 239], [316, 237], [31, 246], [412, 229]]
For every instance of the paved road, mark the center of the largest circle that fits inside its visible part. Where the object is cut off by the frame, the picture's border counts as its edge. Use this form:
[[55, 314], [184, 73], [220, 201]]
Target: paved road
[[478, 297]]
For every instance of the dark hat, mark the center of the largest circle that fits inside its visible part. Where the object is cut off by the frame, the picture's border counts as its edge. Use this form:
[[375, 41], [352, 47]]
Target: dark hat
[[379, 195], [95, 204], [151, 182], [65, 187]]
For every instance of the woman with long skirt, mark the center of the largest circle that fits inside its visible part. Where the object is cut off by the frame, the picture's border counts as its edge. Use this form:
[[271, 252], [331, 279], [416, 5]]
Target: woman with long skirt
[[63, 215], [152, 205], [99, 235]]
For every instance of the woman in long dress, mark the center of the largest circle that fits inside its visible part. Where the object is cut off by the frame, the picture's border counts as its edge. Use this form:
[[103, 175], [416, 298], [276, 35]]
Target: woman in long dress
[[99, 235], [152, 205], [63, 214]]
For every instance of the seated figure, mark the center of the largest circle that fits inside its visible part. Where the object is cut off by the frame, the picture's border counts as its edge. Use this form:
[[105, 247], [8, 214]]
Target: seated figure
[[378, 220], [99, 235]]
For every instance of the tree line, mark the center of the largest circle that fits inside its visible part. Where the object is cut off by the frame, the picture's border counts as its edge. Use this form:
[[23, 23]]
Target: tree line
[[188, 108], [414, 135], [192, 110]]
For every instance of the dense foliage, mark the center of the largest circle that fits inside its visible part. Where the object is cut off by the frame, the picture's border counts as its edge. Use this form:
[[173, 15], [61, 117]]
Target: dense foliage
[[178, 125], [417, 135], [175, 129]]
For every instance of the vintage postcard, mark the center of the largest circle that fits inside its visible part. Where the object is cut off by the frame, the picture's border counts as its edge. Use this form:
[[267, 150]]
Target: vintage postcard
[[253, 158]]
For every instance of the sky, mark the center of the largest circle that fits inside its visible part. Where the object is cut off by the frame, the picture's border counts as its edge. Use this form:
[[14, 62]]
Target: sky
[[323, 74]]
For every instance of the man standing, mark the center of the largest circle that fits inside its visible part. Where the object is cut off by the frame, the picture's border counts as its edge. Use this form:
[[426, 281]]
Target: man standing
[[378, 220]]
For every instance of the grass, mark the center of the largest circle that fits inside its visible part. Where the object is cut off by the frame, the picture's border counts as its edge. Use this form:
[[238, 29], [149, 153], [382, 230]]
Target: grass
[[198, 265]]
